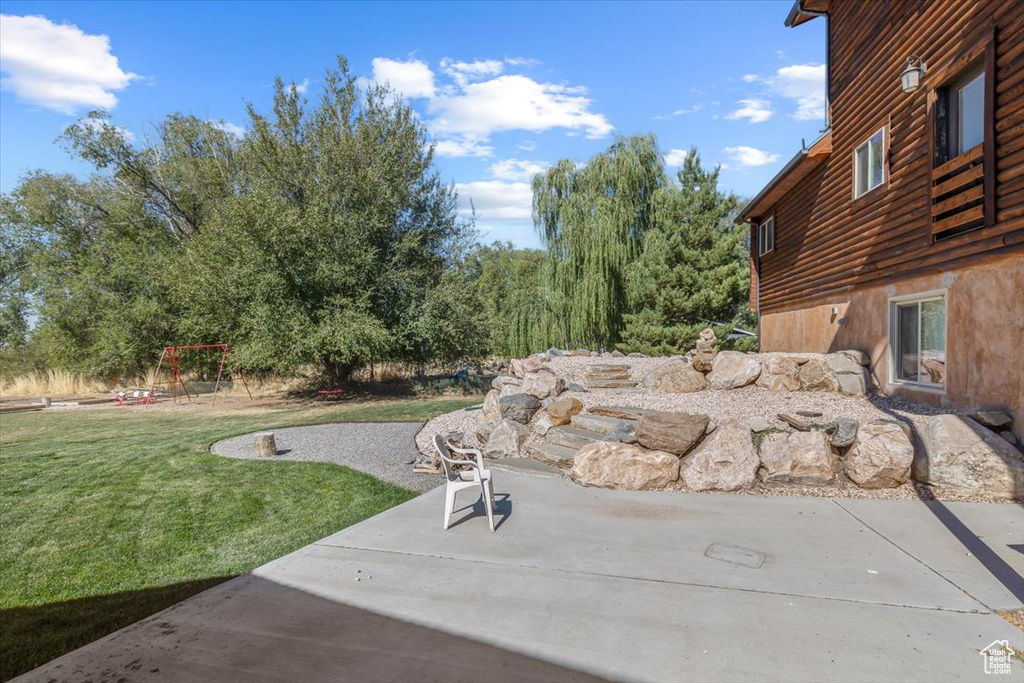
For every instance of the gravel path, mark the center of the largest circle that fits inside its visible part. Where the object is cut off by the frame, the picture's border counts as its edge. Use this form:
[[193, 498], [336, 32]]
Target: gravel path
[[381, 449]]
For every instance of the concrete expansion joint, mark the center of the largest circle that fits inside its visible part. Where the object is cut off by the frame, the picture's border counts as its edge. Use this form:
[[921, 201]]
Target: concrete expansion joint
[[669, 582], [987, 610]]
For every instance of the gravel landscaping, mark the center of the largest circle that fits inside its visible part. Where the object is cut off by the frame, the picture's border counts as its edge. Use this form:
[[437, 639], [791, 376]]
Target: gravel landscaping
[[383, 450]]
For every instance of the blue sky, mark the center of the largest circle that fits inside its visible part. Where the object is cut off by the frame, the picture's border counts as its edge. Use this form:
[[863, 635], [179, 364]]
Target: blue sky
[[504, 88]]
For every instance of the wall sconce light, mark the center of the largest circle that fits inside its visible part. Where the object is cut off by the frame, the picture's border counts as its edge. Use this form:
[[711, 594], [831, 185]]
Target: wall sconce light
[[911, 77]]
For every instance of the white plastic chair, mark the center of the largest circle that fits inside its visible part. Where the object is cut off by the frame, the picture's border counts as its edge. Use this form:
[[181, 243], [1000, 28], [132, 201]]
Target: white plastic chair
[[464, 479]]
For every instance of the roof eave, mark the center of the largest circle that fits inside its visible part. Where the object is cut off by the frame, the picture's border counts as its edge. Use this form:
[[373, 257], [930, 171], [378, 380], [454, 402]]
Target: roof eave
[[818, 151]]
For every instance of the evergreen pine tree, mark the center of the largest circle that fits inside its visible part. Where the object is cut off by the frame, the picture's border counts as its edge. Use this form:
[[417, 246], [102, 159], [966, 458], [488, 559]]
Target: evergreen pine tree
[[692, 270]]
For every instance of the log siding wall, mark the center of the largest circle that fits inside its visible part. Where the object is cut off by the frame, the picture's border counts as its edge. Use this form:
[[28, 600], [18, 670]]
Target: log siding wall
[[827, 241]]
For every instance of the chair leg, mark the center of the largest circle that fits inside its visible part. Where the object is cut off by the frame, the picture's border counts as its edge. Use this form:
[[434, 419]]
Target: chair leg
[[488, 501], [449, 504]]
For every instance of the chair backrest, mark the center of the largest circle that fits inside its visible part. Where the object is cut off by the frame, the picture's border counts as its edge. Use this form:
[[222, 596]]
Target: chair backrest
[[446, 457]]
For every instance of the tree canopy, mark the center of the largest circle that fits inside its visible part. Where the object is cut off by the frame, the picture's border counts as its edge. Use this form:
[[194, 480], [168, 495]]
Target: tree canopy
[[322, 236]]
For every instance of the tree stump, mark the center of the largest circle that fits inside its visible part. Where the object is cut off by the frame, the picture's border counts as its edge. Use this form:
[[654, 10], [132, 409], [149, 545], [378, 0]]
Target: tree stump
[[45, 401], [266, 447]]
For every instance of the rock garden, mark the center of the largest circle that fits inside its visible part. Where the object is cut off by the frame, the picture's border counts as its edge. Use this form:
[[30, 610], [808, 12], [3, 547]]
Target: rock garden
[[773, 423]]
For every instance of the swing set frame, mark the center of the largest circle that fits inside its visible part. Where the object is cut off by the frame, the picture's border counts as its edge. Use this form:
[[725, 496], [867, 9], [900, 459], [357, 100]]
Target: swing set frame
[[171, 355]]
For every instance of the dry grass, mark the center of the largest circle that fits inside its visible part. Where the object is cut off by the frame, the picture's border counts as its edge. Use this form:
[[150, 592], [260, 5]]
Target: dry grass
[[61, 383], [53, 383], [1015, 617]]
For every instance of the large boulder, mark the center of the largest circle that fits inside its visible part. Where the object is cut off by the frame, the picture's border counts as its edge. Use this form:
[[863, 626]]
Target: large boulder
[[881, 456], [858, 357], [484, 427], [779, 373], [797, 458], [733, 369], [725, 461], [562, 410], [506, 439], [675, 377], [542, 384], [624, 431], [624, 466], [959, 456], [842, 363], [492, 408], [522, 367], [671, 432], [542, 423], [816, 375], [842, 432], [519, 407], [501, 380]]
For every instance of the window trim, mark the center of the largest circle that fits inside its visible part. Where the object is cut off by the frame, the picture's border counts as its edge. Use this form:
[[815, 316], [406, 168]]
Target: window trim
[[884, 161], [894, 303], [770, 222]]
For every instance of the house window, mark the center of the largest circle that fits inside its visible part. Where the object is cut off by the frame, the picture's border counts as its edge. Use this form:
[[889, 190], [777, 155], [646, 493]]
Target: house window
[[960, 113], [968, 128], [918, 340], [766, 236], [869, 164], [963, 169]]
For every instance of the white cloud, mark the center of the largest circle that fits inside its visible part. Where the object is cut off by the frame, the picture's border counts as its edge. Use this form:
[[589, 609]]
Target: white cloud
[[58, 66], [230, 128], [301, 88], [465, 72], [750, 78], [750, 156], [496, 201], [756, 110], [473, 100], [527, 145], [675, 157], [804, 83], [515, 169], [465, 147], [409, 79], [692, 109], [515, 102], [521, 61]]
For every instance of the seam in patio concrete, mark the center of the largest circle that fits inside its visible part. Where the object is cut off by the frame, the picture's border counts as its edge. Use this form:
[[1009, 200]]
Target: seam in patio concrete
[[691, 584], [912, 556]]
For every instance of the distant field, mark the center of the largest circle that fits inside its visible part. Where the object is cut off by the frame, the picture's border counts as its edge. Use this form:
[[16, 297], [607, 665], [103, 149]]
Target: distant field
[[109, 515]]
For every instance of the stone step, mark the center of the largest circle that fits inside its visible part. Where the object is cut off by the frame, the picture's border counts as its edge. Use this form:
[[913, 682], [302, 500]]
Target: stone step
[[551, 453], [529, 466], [624, 412], [596, 423], [610, 383], [571, 437], [608, 367]]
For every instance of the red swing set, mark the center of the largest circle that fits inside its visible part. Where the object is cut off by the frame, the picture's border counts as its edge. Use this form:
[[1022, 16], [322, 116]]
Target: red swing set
[[172, 357]]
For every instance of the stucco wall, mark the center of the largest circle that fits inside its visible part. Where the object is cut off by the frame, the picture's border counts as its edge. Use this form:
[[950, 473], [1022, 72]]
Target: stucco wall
[[984, 339]]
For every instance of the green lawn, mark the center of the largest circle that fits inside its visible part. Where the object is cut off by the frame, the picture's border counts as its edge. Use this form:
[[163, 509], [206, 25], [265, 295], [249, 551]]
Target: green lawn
[[107, 516]]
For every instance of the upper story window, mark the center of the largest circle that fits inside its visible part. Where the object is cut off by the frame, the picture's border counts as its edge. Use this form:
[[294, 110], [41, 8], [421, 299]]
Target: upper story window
[[962, 189], [967, 113], [766, 236], [869, 164]]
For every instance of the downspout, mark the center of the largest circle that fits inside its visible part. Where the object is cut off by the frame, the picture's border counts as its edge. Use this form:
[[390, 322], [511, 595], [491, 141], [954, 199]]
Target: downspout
[[757, 297]]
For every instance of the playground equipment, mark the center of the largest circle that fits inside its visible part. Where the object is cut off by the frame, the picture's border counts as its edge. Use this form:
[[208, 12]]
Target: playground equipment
[[172, 357]]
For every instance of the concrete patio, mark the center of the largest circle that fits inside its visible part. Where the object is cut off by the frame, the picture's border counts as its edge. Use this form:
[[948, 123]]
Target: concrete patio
[[582, 584]]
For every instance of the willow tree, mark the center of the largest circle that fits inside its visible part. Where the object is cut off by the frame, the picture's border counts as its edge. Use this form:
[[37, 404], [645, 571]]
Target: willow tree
[[592, 220]]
